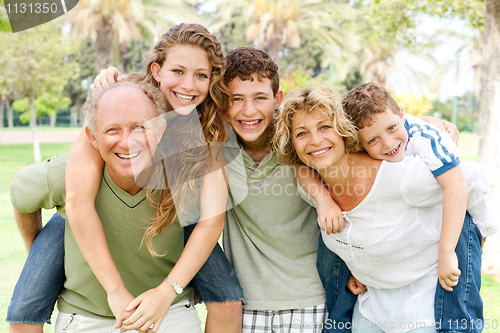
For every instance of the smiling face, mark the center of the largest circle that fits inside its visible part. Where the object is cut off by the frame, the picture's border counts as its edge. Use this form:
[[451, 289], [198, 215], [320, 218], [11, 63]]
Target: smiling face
[[125, 136], [316, 142], [252, 109], [184, 77], [386, 138]]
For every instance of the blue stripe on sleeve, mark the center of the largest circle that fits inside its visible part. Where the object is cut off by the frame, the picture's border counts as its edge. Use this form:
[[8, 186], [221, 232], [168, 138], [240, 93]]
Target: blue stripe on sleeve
[[434, 141], [438, 172]]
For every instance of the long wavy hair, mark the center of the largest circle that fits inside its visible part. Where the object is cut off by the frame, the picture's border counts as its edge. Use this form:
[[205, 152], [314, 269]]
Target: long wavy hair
[[192, 163]]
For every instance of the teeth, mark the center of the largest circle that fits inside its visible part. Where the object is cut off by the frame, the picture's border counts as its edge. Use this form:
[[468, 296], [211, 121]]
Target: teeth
[[125, 156], [392, 152], [249, 122], [319, 152], [186, 98]]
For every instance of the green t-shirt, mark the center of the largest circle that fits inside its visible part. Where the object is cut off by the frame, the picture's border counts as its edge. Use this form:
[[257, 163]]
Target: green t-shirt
[[124, 218], [271, 235]]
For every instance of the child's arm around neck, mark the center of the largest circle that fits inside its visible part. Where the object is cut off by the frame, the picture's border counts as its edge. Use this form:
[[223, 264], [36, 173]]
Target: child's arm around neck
[[83, 178]]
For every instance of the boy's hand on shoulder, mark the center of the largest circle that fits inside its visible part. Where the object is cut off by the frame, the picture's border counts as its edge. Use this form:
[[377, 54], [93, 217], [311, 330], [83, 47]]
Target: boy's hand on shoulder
[[330, 216], [355, 286], [444, 126], [448, 271]]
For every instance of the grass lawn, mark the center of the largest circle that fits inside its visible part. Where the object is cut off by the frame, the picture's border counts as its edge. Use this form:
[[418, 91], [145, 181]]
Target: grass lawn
[[13, 254]]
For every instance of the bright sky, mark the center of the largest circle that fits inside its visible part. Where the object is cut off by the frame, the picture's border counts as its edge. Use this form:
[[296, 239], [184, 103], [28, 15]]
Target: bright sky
[[445, 52]]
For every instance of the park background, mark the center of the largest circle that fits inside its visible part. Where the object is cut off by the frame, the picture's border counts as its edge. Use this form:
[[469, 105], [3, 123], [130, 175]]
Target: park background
[[436, 57]]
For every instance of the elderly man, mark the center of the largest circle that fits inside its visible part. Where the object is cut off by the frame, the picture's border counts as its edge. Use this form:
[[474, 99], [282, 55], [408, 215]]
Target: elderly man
[[120, 130]]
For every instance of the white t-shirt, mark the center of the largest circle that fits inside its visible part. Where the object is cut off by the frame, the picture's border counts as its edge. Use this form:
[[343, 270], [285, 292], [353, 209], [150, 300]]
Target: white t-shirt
[[391, 243], [438, 151]]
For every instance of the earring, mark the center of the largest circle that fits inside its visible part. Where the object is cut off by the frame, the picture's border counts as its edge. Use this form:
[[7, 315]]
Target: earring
[[157, 84]]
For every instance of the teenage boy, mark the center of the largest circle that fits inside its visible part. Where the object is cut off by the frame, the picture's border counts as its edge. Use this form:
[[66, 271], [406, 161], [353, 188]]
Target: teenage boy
[[271, 237], [386, 133]]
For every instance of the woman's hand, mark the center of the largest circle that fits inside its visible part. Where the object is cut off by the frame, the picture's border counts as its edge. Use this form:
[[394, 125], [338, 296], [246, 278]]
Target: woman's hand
[[150, 309], [118, 301], [107, 77]]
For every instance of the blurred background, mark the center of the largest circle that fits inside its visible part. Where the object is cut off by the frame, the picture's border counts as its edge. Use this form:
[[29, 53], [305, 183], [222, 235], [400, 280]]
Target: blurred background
[[436, 57]]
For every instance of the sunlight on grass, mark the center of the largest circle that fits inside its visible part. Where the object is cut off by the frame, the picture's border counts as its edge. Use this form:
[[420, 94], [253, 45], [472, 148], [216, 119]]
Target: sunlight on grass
[[13, 253]]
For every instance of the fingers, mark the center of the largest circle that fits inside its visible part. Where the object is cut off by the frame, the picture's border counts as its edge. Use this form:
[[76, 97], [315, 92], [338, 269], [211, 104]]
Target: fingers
[[448, 282], [332, 225], [122, 78], [107, 77], [134, 303], [452, 130]]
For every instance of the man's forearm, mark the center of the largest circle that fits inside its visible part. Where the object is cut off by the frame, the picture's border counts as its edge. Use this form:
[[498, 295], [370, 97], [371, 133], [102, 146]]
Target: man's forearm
[[29, 226]]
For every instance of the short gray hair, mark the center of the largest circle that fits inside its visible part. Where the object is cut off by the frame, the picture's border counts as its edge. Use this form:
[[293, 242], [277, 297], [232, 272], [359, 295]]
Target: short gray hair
[[155, 97]]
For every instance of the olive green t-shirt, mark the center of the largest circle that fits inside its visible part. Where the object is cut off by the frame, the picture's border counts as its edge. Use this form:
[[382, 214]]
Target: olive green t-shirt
[[271, 234], [124, 219]]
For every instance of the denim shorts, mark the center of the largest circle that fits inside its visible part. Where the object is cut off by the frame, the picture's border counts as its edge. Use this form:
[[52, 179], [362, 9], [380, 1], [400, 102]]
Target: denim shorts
[[216, 281], [461, 310], [42, 277]]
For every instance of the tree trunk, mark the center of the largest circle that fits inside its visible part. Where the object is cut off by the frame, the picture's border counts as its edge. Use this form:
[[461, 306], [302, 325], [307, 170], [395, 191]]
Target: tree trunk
[[10, 113], [275, 43], [122, 49], [36, 143], [489, 123], [103, 46], [53, 118], [2, 107]]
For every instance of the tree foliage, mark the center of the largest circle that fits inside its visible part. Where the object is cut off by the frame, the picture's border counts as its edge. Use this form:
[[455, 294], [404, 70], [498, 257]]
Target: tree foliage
[[4, 20], [37, 60], [47, 104]]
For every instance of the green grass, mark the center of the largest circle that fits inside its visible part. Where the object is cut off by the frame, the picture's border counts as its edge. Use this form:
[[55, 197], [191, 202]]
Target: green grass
[[13, 253]]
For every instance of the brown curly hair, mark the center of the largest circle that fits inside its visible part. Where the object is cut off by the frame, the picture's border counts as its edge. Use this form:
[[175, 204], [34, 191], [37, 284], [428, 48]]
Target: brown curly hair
[[366, 100], [244, 61]]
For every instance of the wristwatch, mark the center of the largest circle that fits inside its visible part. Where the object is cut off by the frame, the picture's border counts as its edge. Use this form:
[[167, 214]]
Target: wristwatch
[[177, 287]]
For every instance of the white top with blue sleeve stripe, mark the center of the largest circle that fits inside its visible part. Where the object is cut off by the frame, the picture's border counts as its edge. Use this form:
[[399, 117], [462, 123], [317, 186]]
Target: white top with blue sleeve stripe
[[436, 149]]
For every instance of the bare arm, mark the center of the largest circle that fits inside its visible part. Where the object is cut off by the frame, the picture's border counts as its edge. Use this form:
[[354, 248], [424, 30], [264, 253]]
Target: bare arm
[[454, 206], [329, 213], [83, 178], [29, 226]]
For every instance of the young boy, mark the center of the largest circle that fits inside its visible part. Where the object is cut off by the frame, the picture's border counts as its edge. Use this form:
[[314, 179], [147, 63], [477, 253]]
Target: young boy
[[385, 133], [271, 237]]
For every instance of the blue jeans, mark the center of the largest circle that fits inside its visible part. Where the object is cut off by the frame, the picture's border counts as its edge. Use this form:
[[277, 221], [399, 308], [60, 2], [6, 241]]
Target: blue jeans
[[42, 277], [334, 275], [216, 281], [462, 309]]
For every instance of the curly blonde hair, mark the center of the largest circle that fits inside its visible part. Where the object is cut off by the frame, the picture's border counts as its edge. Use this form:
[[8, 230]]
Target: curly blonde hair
[[308, 100]]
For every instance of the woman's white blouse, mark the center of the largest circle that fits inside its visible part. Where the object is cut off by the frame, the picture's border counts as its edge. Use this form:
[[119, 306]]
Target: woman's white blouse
[[391, 242]]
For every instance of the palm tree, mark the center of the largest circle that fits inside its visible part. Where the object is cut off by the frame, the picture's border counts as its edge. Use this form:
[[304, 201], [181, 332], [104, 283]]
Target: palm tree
[[273, 24], [117, 22]]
